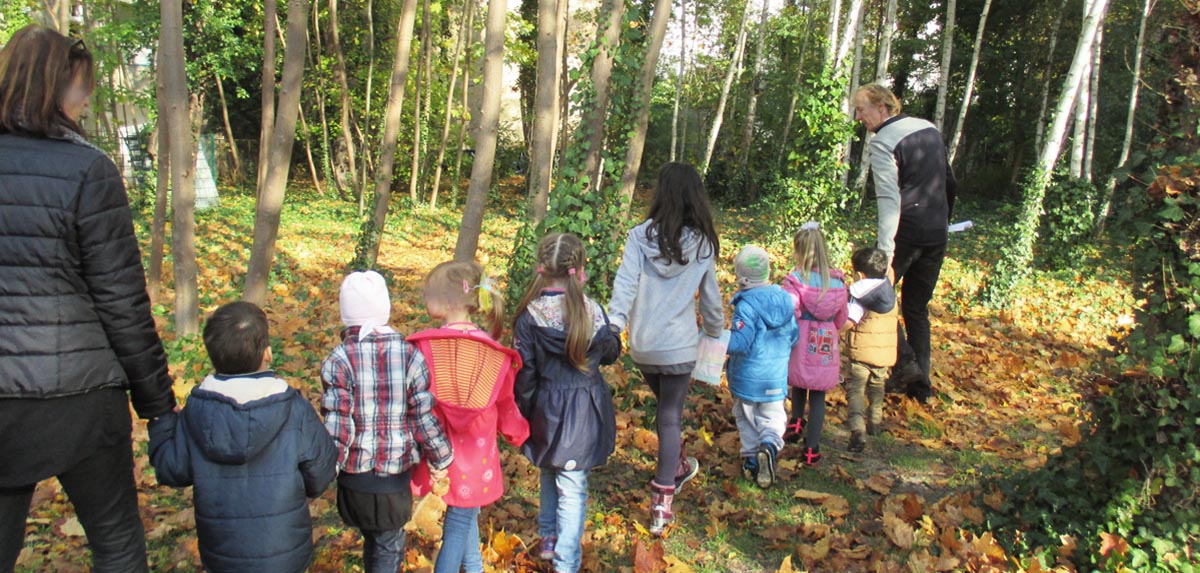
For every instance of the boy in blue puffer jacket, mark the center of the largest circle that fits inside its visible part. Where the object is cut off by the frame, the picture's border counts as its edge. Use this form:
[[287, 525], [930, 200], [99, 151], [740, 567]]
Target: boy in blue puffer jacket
[[252, 447], [760, 343]]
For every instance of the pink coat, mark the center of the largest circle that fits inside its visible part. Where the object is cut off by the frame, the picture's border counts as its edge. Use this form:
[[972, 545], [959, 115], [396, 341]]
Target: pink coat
[[816, 362], [471, 376]]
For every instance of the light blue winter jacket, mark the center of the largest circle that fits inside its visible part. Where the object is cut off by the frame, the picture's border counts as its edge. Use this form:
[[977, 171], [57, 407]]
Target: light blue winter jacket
[[760, 343]]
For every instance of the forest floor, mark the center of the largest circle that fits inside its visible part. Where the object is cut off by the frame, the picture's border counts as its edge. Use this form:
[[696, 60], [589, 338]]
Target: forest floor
[[1010, 393]]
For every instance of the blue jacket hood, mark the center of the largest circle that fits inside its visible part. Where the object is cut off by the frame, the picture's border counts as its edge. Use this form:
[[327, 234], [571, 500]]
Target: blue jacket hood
[[770, 302], [232, 433]]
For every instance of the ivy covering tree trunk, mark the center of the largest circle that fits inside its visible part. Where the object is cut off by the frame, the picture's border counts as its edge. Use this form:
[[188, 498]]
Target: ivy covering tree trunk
[[1016, 259]]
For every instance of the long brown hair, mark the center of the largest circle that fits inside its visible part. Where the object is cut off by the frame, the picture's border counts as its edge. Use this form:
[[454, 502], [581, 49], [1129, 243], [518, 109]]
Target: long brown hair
[[561, 257], [464, 285], [681, 202], [38, 67]]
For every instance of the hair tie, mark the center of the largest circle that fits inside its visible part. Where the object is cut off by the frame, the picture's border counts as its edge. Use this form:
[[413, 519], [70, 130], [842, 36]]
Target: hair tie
[[466, 287], [571, 271], [811, 226], [540, 270]]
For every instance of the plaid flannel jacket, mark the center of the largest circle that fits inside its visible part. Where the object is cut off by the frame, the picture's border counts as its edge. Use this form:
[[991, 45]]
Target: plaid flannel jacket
[[378, 406]]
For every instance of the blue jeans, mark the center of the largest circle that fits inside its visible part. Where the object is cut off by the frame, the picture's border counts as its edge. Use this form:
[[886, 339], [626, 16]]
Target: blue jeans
[[561, 514], [460, 542], [383, 550]]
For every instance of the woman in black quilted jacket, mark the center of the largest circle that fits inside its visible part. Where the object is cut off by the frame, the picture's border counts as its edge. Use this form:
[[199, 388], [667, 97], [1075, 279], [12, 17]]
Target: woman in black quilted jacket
[[77, 341]]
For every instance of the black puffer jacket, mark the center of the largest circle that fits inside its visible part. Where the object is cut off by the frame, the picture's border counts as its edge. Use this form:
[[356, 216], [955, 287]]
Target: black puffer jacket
[[572, 424], [74, 313]]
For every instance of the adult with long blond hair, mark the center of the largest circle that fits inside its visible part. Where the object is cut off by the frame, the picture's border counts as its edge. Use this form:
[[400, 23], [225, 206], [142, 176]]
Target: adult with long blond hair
[[77, 341]]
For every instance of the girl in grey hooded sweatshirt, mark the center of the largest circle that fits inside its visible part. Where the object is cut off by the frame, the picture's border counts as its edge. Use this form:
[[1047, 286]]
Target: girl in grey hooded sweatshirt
[[669, 258]]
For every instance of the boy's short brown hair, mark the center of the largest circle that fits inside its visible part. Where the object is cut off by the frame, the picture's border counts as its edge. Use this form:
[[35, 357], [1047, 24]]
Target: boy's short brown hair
[[236, 335]]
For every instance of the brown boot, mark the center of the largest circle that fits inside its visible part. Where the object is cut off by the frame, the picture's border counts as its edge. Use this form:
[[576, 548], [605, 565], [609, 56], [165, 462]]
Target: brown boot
[[661, 498]]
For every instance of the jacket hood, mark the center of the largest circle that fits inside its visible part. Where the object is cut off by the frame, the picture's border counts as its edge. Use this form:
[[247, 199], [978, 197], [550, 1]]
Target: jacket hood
[[875, 295], [232, 433], [810, 297], [694, 245], [770, 302], [547, 312]]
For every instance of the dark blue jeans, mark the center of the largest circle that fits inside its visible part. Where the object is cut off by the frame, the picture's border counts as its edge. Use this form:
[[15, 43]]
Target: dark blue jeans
[[102, 489], [917, 270], [383, 550]]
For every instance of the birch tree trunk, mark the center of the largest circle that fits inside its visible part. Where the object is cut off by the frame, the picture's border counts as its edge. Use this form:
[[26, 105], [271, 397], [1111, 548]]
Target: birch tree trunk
[[735, 62], [831, 35], [679, 78], [1079, 118], [608, 36], [1040, 129], [545, 109], [339, 70], [633, 155], [998, 289], [850, 34], [947, 54], [1135, 84], [847, 103], [755, 89], [1089, 148], [183, 168], [485, 139], [796, 88], [468, 9], [966, 102], [391, 126], [270, 204], [268, 94]]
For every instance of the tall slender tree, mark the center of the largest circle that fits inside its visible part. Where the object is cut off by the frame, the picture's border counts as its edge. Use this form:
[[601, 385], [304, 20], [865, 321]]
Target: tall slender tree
[[645, 85], [739, 49], [183, 167], [947, 54], [268, 94], [464, 30], [1110, 183], [339, 70], [545, 108], [1047, 75], [608, 35], [391, 129], [970, 89], [1089, 146], [797, 85], [423, 63], [1016, 259], [679, 78], [756, 85], [485, 139], [270, 202]]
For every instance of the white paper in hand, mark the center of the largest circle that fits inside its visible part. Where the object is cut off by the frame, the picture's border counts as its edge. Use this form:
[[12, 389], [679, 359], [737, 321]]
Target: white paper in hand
[[960, 227]]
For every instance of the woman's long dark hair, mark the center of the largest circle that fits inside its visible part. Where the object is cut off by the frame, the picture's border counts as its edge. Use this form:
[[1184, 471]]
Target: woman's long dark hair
[[680, 202], [37, 68]]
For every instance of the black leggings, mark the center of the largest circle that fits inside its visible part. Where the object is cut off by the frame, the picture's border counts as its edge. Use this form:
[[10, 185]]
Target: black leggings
[[671, 391], [102, 489], [816, 414]]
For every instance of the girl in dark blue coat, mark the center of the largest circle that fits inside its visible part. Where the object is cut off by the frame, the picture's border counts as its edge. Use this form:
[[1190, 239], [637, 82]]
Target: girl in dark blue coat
[[564, 337]]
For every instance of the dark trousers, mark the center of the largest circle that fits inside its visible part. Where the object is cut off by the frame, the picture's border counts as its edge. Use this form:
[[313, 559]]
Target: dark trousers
[[671, 392], [917, 270], [102, 489]]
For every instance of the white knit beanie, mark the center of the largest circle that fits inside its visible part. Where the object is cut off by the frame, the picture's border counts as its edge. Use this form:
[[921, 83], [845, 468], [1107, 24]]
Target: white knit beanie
[[752, 267], [364, 300]]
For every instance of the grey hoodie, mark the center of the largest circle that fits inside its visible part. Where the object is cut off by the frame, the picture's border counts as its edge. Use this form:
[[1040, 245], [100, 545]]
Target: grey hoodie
[[656, 298]]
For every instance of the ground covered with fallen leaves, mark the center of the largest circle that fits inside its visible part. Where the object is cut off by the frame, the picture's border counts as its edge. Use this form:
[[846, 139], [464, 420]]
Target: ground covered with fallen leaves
[[1010, 385]]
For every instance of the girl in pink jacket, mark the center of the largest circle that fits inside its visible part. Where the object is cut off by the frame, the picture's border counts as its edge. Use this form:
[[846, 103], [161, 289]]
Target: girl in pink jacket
[[821, 310], [471, 377]]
